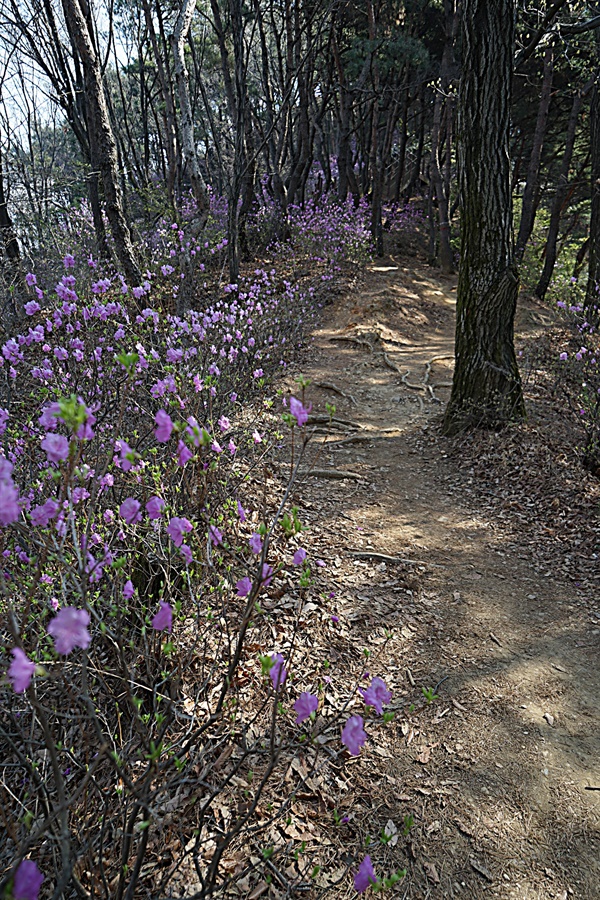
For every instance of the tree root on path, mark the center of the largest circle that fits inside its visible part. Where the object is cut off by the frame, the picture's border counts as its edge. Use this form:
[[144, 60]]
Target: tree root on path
[[330, 386], [332, 473]]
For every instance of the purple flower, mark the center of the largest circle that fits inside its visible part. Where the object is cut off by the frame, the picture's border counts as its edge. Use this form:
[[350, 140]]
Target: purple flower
[[299, 557], [256, 544], [69, 261], [49, 417], [69, 629], [266, 574], [244, 586], [32, 307], [215, 535], [177, 528], [277, 672], [41, 515], [298, 411], [30, 279], [224, 423], [241, 512], [564, 356], [354, 735], [9, 507], [256, 437], [154, 507], [130, 511], [20, 671], [184, 454], [186, 552], [365, 876], [56, 447], [305, 705], [163, 620], [28, 881], [128, 590], [376, 694], [164, 426]]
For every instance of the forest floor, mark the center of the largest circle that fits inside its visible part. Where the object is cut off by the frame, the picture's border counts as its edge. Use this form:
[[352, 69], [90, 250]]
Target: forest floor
[[492, 599]]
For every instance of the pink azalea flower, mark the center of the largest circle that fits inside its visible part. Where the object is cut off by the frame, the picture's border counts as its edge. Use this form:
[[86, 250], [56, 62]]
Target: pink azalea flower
[[376, 694], [128, 590], [365, 876], [215, 535], [164, 426], [299, 412], [244, 586], [69, 629], [56, 447], [9, 507], [305, 705], [20, 671], [41, 515], [130, 510], [256, 544], [154, 507], [277, 672], [267, 574], [49, 417], [163, 620], [177, 528], [354, 735], [241, 512], [186, 553], [257, 438], [28, 881], [184, 454], [299, 557]]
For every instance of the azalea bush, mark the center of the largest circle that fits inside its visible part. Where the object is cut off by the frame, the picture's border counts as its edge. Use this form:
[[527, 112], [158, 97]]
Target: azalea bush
[[140, 689], [144, 700], [578, 377]]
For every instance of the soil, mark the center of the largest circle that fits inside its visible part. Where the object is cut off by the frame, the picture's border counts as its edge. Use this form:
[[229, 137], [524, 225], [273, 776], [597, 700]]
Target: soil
[[469, 597]]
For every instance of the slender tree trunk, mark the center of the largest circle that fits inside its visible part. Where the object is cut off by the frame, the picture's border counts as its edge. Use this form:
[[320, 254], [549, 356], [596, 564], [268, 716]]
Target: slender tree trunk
[[561, 194], [592, 297], [188, 142], [10, 253], [486, 389], [105, 140], [528, 207]]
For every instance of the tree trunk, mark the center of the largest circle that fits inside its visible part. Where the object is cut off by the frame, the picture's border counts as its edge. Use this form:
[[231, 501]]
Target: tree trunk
[[592, 297], [486, 389], [533, 172], [188, 142], [560, 195], [105, 140]]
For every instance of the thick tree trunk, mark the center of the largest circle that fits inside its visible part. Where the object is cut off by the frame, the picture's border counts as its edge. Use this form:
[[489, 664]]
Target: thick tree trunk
[[533, 171], [486, 389], [105, 141], [560, 195], [188, 142], [592, 298]]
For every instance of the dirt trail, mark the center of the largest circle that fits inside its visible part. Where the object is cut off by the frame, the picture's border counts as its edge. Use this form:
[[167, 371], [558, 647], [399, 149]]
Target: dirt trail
[[495, 770]]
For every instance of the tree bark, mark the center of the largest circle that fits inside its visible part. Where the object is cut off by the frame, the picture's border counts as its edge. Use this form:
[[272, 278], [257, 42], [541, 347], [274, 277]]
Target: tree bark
[[106, 146], [533, 170], [188, 142], [560, 195], [486, 389], [592, 297]]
